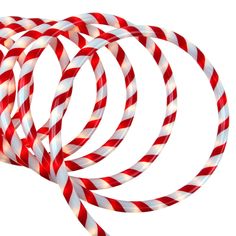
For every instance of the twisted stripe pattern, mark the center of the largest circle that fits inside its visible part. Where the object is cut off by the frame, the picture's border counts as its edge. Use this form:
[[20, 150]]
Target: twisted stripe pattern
[[54, 165]]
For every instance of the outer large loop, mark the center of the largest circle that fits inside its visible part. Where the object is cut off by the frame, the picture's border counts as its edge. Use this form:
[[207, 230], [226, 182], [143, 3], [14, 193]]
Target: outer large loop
[[223, 122], [222, 129]]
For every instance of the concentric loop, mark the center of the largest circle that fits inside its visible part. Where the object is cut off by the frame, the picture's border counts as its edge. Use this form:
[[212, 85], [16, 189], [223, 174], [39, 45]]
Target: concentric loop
[[30, 151]]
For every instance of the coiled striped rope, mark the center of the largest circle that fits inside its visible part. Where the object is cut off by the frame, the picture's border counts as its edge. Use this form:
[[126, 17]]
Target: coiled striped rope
[[30, 151]]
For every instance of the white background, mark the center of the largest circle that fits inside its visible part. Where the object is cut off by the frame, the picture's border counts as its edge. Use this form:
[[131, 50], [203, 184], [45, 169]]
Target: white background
[[30, 205]]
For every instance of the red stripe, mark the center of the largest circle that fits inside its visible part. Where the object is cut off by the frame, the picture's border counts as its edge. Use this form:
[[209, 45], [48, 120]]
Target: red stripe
[[109, 37], [131, 101], [68, 190], [189, 188], [122, 22], [200, 58], [129, 77], [142, 206], [57, 163], [125, 123], [88, 184], [214, 79], [101, 82], [168, 73], [37, 21], [72, 165], [101, 232], [218, 150], [14, 52], [92, 124], [182, 42], [112, 142], [223, 126], [162, 139], [100, 104], [82, 216], [131, 172], [100, 18], [221, 102], [167, 201], [111, 181], [172, 96], [16, 27], [207, 171], [116, 205], [159, 32], [33, 34], [157, 54], [169, 119], [148, 158], [59, 49], [90, 197], [95, 60], [120, 56], [35, 53], [94, 157]]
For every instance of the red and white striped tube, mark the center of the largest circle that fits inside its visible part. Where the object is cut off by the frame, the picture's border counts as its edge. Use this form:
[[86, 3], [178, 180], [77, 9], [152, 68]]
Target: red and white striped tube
[[203, 175], [62, 57], [65, 185], [20, 150], [74, 188], [38, 149], [171, 91], [100, 104], [100, 232], [210, 166], [100, 75]]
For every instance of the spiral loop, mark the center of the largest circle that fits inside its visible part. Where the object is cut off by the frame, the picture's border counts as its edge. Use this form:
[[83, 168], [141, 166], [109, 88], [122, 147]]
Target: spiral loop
[[53, 165]]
